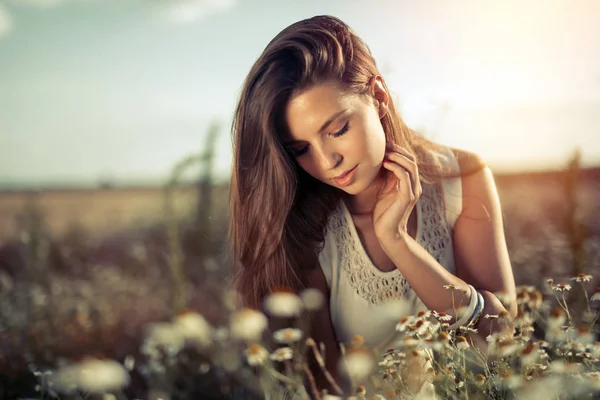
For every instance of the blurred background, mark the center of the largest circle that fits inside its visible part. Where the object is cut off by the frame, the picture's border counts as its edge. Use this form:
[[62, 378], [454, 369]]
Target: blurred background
[[115, 146]]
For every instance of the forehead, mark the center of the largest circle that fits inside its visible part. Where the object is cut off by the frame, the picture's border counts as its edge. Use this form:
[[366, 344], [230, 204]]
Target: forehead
[[307, 111]]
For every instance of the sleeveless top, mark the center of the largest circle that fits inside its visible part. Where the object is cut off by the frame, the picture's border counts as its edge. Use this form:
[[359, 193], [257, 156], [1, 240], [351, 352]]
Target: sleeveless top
[[367, 301]]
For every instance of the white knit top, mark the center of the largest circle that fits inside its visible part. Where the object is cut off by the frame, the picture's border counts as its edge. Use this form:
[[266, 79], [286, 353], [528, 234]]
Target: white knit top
[[367, 301]]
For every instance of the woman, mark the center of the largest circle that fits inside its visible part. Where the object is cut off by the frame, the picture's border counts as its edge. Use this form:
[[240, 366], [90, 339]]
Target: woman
[[330, 189]]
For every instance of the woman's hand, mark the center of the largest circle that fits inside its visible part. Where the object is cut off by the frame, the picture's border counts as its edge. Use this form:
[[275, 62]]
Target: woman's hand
[[502, 326], [398, 196]]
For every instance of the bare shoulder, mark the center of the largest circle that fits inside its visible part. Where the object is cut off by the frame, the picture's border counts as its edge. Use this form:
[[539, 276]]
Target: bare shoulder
[[480, 197], [468, 161]]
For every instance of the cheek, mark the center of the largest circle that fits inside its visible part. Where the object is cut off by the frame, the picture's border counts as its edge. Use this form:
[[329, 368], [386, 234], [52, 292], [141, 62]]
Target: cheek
[[372, 138], [375, 145]]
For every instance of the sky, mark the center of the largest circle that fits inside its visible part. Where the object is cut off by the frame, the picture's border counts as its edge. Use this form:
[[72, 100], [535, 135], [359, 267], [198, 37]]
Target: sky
[[121, 90]]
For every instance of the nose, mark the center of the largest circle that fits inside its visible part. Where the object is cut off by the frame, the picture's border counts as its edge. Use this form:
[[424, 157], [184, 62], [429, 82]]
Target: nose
[[328, 158]]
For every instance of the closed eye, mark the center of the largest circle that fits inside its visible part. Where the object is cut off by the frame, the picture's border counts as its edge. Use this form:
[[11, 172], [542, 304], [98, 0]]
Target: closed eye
[[299, 152], [341, 131], [303, 150]]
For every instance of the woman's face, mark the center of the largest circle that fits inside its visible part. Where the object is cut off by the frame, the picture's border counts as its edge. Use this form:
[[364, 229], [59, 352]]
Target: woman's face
[[333, 132]]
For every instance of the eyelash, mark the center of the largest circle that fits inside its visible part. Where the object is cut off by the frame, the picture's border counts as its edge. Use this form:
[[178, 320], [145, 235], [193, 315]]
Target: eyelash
[[337, 134]]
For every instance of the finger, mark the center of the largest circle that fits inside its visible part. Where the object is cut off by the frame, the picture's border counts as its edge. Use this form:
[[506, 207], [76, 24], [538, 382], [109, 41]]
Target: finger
[[402, 160], [395, 147], [411, 167], [391, 182], [402, 175], [405, 168]]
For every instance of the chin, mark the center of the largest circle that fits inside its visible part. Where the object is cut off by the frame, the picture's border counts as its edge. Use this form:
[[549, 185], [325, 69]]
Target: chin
[[356, 188]]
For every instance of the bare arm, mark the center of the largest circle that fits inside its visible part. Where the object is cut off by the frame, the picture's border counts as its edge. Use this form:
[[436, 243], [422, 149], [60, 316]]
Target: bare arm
[[479, 249]]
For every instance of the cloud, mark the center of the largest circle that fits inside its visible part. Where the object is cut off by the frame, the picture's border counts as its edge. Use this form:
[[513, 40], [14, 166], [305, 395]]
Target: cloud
[[185, 11], [6, 21]]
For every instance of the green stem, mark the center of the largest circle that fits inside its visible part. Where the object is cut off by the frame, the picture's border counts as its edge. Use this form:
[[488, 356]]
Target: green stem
[[587, 300]]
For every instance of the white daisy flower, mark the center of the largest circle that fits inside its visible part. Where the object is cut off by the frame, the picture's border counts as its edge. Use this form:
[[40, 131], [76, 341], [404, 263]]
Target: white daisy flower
[[556, 318], [585, 335], [404, 322], [536, 300], [560, 366], [91, 375], [556, 335], [387, 362], [248, 325], [194, 328], [507, 347], [442, 316], [462, 343], [432, 343], [443, 337], [524, 319], [283, 304], [409, 342], [282, 354], [163, 335], [312, 299], [542, 343], [529, 355], [561, 287], [526, 328], [421, 327], [582, 278], [512, 381], [256, 354], [480, 379], [596, 296], [287, 335], [526, 288], [357, 364]]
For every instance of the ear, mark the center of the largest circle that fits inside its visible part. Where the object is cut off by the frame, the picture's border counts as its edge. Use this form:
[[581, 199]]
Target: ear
[[380, 95]]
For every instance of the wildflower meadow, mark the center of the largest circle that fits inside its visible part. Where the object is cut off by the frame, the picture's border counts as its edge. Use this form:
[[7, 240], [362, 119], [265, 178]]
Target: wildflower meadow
[[148, 313]]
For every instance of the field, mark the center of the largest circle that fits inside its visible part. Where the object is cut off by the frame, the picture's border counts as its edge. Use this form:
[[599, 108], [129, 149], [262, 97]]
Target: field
[[88, 279]]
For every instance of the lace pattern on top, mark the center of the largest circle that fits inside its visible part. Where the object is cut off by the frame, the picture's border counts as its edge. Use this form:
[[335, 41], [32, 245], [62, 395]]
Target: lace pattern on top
[[366, 279]]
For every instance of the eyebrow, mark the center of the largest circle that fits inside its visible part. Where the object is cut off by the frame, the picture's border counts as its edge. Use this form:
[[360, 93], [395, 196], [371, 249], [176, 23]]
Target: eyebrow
[[323, 127]]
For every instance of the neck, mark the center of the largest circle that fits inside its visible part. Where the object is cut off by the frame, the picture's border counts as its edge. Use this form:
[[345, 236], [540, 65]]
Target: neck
[[364, 202]]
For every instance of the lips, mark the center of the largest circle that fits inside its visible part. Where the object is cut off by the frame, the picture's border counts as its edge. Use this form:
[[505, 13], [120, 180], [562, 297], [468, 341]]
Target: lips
[[347, 178], [344, 174]]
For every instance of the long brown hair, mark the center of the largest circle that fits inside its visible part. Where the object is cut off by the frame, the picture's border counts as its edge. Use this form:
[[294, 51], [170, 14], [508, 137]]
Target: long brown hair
[[277, 212]]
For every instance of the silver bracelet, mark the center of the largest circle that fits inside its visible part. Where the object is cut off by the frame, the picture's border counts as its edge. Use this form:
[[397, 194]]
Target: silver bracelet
[[478, 311], [469, 311]]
